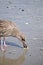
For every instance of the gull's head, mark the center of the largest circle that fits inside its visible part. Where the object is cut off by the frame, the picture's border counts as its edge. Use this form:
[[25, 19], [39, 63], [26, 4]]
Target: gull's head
[[22, 37]]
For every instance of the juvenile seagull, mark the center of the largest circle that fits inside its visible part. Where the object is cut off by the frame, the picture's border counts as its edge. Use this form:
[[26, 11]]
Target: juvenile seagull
[[8, 28]]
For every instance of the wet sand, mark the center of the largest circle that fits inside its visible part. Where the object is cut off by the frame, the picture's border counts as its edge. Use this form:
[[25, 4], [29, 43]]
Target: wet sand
[[28, 15], [5, 60]]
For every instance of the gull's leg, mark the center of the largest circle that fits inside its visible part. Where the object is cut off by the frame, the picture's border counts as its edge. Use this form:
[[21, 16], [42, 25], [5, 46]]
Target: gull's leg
[[0, 42], [4, 42], [0, 39]]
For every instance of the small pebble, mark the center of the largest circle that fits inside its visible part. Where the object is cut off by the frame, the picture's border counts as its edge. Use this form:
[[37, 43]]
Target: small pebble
[[7, 7], [29, 55], [22, 9], [26, 23], [41, 49], [34, 38]]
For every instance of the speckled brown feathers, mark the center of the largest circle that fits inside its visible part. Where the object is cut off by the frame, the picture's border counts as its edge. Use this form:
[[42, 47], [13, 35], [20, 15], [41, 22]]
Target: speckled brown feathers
[[7, 28]]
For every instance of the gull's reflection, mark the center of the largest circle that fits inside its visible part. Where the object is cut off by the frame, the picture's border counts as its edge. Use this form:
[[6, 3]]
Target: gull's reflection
[[18, 61]]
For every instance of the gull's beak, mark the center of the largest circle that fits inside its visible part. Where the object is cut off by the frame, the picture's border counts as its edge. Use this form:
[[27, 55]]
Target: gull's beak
[[24, 44]]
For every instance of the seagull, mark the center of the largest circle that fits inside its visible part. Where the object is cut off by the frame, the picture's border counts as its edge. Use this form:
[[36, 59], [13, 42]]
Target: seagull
[[9, 28]]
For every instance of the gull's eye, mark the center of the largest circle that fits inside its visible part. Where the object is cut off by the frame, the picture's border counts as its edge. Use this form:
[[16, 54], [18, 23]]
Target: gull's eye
[[23, 39]]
